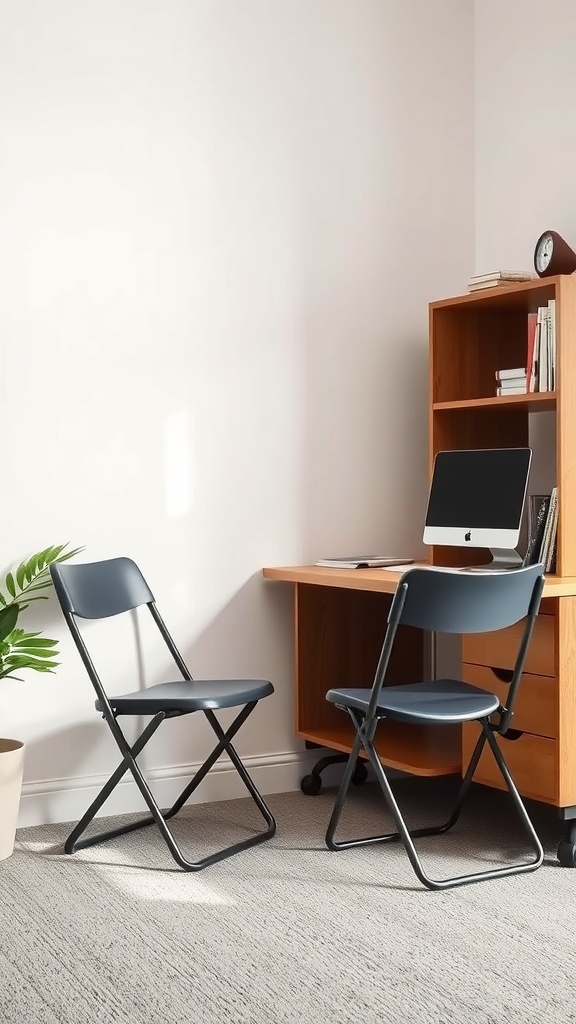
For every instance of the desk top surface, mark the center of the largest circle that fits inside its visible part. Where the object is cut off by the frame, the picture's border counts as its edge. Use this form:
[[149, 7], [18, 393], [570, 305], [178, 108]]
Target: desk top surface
[[384, 581]]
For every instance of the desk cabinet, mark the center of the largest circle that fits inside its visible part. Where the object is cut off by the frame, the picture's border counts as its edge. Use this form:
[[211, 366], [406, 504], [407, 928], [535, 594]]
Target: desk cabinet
[[339, 634], [540, 750]]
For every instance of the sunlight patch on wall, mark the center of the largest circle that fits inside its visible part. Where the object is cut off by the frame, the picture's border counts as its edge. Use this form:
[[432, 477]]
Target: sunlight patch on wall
[[177, 464]]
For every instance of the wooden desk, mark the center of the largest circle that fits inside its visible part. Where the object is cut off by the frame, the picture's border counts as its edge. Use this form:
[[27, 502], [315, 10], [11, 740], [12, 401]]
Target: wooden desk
[[340, 619]]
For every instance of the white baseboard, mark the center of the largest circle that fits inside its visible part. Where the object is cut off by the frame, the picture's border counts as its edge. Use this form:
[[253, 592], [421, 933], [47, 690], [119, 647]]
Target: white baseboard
[[57, 800]]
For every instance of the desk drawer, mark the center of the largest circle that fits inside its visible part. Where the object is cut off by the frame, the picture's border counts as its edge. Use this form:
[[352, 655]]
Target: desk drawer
[[530, 759], [499, 649], [536, 700]]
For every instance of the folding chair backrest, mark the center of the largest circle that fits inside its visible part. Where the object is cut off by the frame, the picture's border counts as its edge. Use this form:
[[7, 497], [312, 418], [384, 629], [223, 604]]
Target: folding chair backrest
[[461, 602], [96, 590]]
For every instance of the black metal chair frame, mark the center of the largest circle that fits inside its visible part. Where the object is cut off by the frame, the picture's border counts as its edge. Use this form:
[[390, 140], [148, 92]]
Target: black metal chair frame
[[61, 576], [427, 611]]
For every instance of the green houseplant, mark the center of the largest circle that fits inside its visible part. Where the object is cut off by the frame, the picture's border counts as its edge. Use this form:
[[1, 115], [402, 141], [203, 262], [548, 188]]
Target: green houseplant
[[21, 650]]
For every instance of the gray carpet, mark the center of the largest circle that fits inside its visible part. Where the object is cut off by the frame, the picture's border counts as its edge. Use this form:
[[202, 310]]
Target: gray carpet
[[288, 932]]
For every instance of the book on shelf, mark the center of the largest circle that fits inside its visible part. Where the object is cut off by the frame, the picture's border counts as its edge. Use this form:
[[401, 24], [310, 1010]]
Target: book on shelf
[[549, 539], [530, 355], [513, 389], [497, 278], [505, 275], [541, 348], [362, 561], [551, 344], [474, 286], [550, 563], [515, 374], [511, 382], [542, 530]]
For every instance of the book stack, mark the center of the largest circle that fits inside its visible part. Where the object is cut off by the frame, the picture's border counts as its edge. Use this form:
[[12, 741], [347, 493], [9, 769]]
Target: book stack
[[511, 382], [542, 530], [539, 374], [498, 278]]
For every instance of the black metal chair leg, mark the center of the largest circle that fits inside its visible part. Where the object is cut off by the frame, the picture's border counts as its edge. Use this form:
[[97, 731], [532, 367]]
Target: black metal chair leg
[[407, 837], [428, 830], [342, 794], [223, 738], [156, 814], [73, 842]]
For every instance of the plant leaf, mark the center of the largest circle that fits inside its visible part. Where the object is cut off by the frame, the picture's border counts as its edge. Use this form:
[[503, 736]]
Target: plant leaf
[[20, 649], [23, 661], [8, 620], [35, 652], [29, 640]]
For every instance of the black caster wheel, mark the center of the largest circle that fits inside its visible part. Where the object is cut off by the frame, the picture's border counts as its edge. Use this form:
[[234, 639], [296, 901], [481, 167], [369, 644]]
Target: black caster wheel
[[567, 854], [311, 785], [360, 774]]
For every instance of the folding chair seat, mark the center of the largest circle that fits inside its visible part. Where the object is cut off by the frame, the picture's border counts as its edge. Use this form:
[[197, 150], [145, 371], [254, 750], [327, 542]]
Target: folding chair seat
[[98, 590], [443, 601]]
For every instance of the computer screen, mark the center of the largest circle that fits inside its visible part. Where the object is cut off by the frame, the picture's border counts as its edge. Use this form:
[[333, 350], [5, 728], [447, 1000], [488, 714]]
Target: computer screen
[[477, 497]]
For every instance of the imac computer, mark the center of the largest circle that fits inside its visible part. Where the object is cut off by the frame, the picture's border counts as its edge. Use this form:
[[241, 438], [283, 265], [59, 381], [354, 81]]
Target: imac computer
[[477, 499]]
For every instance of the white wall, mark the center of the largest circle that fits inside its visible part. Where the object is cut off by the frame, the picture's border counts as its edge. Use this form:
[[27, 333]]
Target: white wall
[[221, 224], [525, 142], [525, 150]]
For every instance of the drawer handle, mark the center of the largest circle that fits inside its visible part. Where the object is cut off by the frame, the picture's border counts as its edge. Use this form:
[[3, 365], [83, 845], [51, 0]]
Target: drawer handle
[[503, 674]]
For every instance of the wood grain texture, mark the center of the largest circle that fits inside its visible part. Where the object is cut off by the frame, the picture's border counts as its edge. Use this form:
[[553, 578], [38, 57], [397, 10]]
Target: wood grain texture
[[566, 655], [566, 424], [420, 750], [500, 648], [378, 580], [339, 639], [536, 706], [532, 761]]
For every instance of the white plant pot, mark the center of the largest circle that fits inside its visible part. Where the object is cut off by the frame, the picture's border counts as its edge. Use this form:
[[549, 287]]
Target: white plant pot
[[11, 768]]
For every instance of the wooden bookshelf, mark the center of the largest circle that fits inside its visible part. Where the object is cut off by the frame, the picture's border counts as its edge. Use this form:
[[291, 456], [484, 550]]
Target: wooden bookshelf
[[471, 337]]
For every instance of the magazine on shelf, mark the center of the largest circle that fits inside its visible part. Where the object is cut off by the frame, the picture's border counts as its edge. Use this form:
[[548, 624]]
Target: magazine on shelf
[[362, 562], [542, 530]]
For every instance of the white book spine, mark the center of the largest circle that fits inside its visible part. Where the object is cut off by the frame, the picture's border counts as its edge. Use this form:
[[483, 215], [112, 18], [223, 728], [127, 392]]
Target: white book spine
[[552, 339], [517, 372], [518, 389]]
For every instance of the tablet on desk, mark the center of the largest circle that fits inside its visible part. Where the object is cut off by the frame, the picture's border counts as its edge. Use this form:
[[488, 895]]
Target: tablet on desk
[[362, 562]]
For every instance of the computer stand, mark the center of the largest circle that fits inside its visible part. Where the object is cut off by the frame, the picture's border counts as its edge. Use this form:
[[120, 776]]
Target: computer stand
[[502, 559]]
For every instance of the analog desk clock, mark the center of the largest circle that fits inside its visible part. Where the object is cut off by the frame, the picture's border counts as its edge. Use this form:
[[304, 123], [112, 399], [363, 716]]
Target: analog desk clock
[[553, 255]]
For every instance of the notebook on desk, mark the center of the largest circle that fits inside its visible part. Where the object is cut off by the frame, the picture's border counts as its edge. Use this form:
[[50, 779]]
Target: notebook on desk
[[362, 562]]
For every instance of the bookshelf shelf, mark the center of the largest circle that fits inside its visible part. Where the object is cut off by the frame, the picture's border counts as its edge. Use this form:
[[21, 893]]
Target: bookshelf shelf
[[521, 295], [544, 401]]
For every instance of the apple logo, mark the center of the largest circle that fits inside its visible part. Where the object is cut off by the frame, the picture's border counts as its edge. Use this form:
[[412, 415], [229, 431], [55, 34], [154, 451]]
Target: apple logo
[[468, 536]]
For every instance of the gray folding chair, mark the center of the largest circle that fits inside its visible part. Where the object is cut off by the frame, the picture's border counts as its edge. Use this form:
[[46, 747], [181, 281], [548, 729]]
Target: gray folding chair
[[98, 590], [443, 602]]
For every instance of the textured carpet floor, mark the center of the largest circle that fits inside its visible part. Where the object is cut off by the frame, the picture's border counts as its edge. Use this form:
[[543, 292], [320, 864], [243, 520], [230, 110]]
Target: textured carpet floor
[[288, 932]]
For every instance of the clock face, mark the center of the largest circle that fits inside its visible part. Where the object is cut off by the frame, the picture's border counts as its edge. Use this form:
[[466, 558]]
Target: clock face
[[544, 253]]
